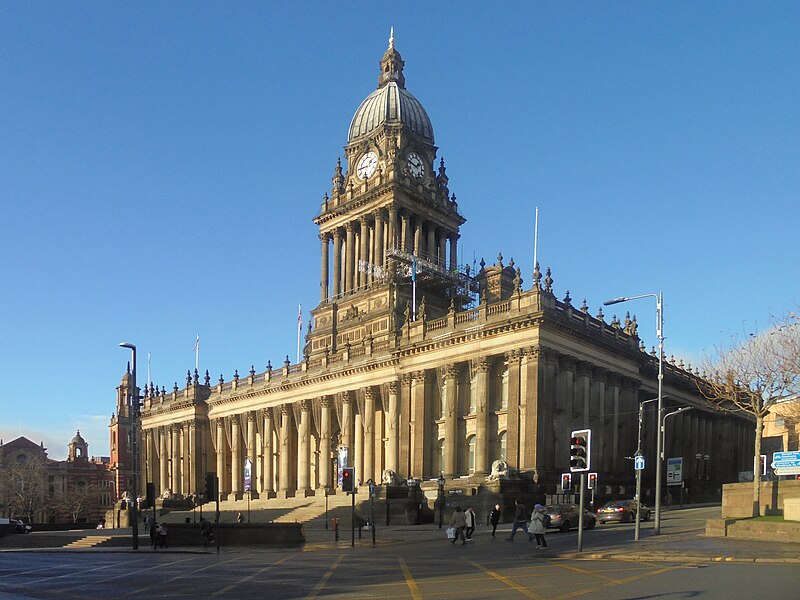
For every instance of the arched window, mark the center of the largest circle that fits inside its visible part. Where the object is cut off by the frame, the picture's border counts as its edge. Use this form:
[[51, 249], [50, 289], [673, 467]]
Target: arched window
[[471, 454]]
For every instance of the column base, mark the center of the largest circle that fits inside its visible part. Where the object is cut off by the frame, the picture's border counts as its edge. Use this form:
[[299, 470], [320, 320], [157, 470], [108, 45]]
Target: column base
[[237, 495], [321, 492], [267, 495], [254, 495], [306, 493], [284, 494]]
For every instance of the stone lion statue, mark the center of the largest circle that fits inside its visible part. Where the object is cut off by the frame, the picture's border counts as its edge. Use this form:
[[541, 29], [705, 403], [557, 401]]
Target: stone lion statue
[[388, 477], [501, 470], [166, 494]]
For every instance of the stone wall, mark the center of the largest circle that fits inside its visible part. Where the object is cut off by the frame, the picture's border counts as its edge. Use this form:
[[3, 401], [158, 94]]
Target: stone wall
[[737, 498]]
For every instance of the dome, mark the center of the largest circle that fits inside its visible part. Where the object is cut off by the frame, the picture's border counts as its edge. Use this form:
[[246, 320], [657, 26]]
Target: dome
[[78, 439], [390, 104]]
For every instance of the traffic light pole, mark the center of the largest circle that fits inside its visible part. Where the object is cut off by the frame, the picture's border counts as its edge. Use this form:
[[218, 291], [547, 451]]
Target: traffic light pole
[[580, 514], [352, 519]]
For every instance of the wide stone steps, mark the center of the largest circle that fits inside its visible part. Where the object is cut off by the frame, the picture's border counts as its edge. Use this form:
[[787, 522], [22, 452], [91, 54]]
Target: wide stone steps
[[89, 541]]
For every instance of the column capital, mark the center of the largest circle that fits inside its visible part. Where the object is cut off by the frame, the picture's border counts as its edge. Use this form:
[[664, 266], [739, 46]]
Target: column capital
[[326, 401], [285, 410], [419, 376], [513, 355], [324, 236], [584, 369], [305, 405], [393, 387], [451, 371], [337, 234]]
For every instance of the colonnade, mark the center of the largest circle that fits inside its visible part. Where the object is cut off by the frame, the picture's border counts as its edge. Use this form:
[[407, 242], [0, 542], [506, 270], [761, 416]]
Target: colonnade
[[359, 248]]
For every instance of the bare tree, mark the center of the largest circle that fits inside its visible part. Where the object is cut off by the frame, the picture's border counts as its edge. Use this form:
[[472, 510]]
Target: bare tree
[[23, 493], [79, 499], [750, 376]]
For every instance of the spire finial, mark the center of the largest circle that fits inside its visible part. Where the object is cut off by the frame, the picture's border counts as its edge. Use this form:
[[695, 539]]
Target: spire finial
[[391, 38]]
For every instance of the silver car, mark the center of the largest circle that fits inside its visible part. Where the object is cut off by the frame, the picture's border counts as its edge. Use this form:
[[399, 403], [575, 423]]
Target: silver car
[[566, 516]]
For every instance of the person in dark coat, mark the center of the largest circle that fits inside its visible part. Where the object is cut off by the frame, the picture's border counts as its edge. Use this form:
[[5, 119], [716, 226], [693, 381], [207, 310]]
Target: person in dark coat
[[520, 520], [494, 517]]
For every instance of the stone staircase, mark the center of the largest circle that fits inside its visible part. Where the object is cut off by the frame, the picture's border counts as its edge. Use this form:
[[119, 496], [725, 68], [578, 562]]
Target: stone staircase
[[89, 541]]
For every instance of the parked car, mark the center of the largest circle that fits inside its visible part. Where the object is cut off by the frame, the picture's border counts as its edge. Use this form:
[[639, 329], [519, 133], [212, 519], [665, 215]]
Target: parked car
[[19, 526], [621, 511], [566, 517]]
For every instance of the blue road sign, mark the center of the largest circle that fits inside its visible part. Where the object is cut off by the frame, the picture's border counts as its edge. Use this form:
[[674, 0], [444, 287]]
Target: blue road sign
[[782, 460], [638, 463]]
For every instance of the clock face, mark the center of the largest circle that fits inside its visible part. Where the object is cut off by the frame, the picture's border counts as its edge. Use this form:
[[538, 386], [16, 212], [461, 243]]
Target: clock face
[[367, 164], [415, 165]]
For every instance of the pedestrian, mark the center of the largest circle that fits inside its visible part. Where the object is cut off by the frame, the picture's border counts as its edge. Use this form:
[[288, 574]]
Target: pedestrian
[[459, 523], [240, 518], [153, 533], [520, 520], [538, 526], [469, 517], [494, 517], [162, 534], [205, 531]]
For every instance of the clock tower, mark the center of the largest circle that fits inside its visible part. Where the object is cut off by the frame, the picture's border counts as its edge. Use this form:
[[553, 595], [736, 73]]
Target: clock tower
[[389, 228]]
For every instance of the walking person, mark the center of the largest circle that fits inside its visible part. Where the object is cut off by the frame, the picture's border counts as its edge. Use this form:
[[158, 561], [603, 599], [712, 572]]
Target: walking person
[[153, 534], [162, 534], [520, 520], [539, 526], [205, 531], [469, 517], [494, 517], [459, 523]]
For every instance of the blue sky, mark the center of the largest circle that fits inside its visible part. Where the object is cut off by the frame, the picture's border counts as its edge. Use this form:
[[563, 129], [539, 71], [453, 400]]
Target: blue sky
[[161, 163]]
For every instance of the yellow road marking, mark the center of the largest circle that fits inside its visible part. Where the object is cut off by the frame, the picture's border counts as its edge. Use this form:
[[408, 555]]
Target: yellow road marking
[[619, 582], [319, 587], [524, 591], [412, 585]]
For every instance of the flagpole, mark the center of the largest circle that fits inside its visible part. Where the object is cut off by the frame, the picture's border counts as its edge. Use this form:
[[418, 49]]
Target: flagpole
[[536, 239], [414, 289], [299, 327], [197, 353], [149, 381]]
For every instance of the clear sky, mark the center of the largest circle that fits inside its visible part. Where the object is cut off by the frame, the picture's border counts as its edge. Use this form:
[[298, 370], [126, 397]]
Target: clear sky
[[161, 163]]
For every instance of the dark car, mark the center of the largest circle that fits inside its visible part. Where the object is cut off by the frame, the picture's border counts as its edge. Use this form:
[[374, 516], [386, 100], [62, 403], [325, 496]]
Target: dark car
[[566, 517], [621, 511]]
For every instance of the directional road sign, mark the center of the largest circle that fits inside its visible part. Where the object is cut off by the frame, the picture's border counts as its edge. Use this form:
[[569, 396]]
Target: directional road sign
[[638, 463], [787, 470], [786, 460]]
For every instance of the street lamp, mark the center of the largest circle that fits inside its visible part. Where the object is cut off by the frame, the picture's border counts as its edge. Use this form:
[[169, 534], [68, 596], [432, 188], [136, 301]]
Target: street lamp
[[134, 411], [440, 481], [639, 471], [660, 335]]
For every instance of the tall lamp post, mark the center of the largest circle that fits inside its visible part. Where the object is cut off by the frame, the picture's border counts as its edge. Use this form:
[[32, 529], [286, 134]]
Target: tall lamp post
[[659, 430], [134, 410], [441, 481]]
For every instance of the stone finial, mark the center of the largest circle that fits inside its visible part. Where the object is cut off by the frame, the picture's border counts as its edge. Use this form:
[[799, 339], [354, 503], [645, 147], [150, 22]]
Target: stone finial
[[642, 347], [537, 277], [163, 391], [500, 259], [652, 350], [196, 378], [567, 299], [269, 366], [188, 377], [286, 361], [634, 327], [252, 371], [517, 279], [207, 379], [221, 379], [600, 315], [627, 326], [452, 307], [482, 264], [175, 387], [548, 281], [615, 322], [584, 307], [236, 374], [672, 359]]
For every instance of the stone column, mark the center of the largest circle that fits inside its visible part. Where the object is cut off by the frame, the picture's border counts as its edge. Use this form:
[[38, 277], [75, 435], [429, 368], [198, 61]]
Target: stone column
[[379, 243], [430, 245], [451, 421], [417, 236], [453, 251], [358, 447], [175, 482], [404, 232], [610, 421], [285, 452], [597, 415], [346, 426], [192, 458], [363, 255], [482, 417], [392, 226], [566, 409], [303, 448], [325, 443], [268, 483], [547, 403], [164, 455], [236, 459], [392, 428], [368, 422], [337, 263], [419, 414], [442, 258], [512, 412], [251, 452], [323, 282], [583, 392], [222, 469], [349, 257]]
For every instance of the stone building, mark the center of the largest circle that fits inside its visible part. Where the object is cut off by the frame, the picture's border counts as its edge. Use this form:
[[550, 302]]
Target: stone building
[[419, 366], [79, 489]]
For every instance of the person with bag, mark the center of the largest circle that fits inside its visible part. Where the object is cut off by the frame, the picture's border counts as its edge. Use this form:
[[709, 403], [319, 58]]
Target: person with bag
[[539, 520], [520, 521], [469, 517], [459, 523]]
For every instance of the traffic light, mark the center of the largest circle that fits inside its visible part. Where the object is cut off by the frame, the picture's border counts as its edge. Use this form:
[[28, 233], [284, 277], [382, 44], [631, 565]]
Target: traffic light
[[211, 487], [763, 464], [592, 480], [566, 482], [580, 451], [348, 480]]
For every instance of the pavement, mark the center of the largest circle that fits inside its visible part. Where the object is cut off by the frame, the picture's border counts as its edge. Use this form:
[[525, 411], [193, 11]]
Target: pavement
[[677, 542]]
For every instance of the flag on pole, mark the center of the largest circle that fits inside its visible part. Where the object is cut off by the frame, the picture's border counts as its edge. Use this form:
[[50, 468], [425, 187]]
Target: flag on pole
[[196, 349]]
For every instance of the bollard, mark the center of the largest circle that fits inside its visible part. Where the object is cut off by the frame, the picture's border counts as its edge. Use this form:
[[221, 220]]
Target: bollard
[[336, 529]]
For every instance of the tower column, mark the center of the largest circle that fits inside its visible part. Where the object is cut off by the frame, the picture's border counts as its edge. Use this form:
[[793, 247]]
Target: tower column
[[323, 283], [419, 413], [405, 233], [392, 428], [417, 235], [325, 444], [363, 255], [450, 421], [513, 412], [391, 242], [453, 251], [368, 422], [346, 426], [236, 459], [349, 257], [441, 260], [268, 477], [303, 447], [379, 245], [337, 263], [430, 245], [482, 417]]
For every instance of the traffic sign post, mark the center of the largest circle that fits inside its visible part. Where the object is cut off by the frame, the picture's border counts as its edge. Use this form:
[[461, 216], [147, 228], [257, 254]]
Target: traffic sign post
[[675, 471], [786, 463], [638, 463]]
